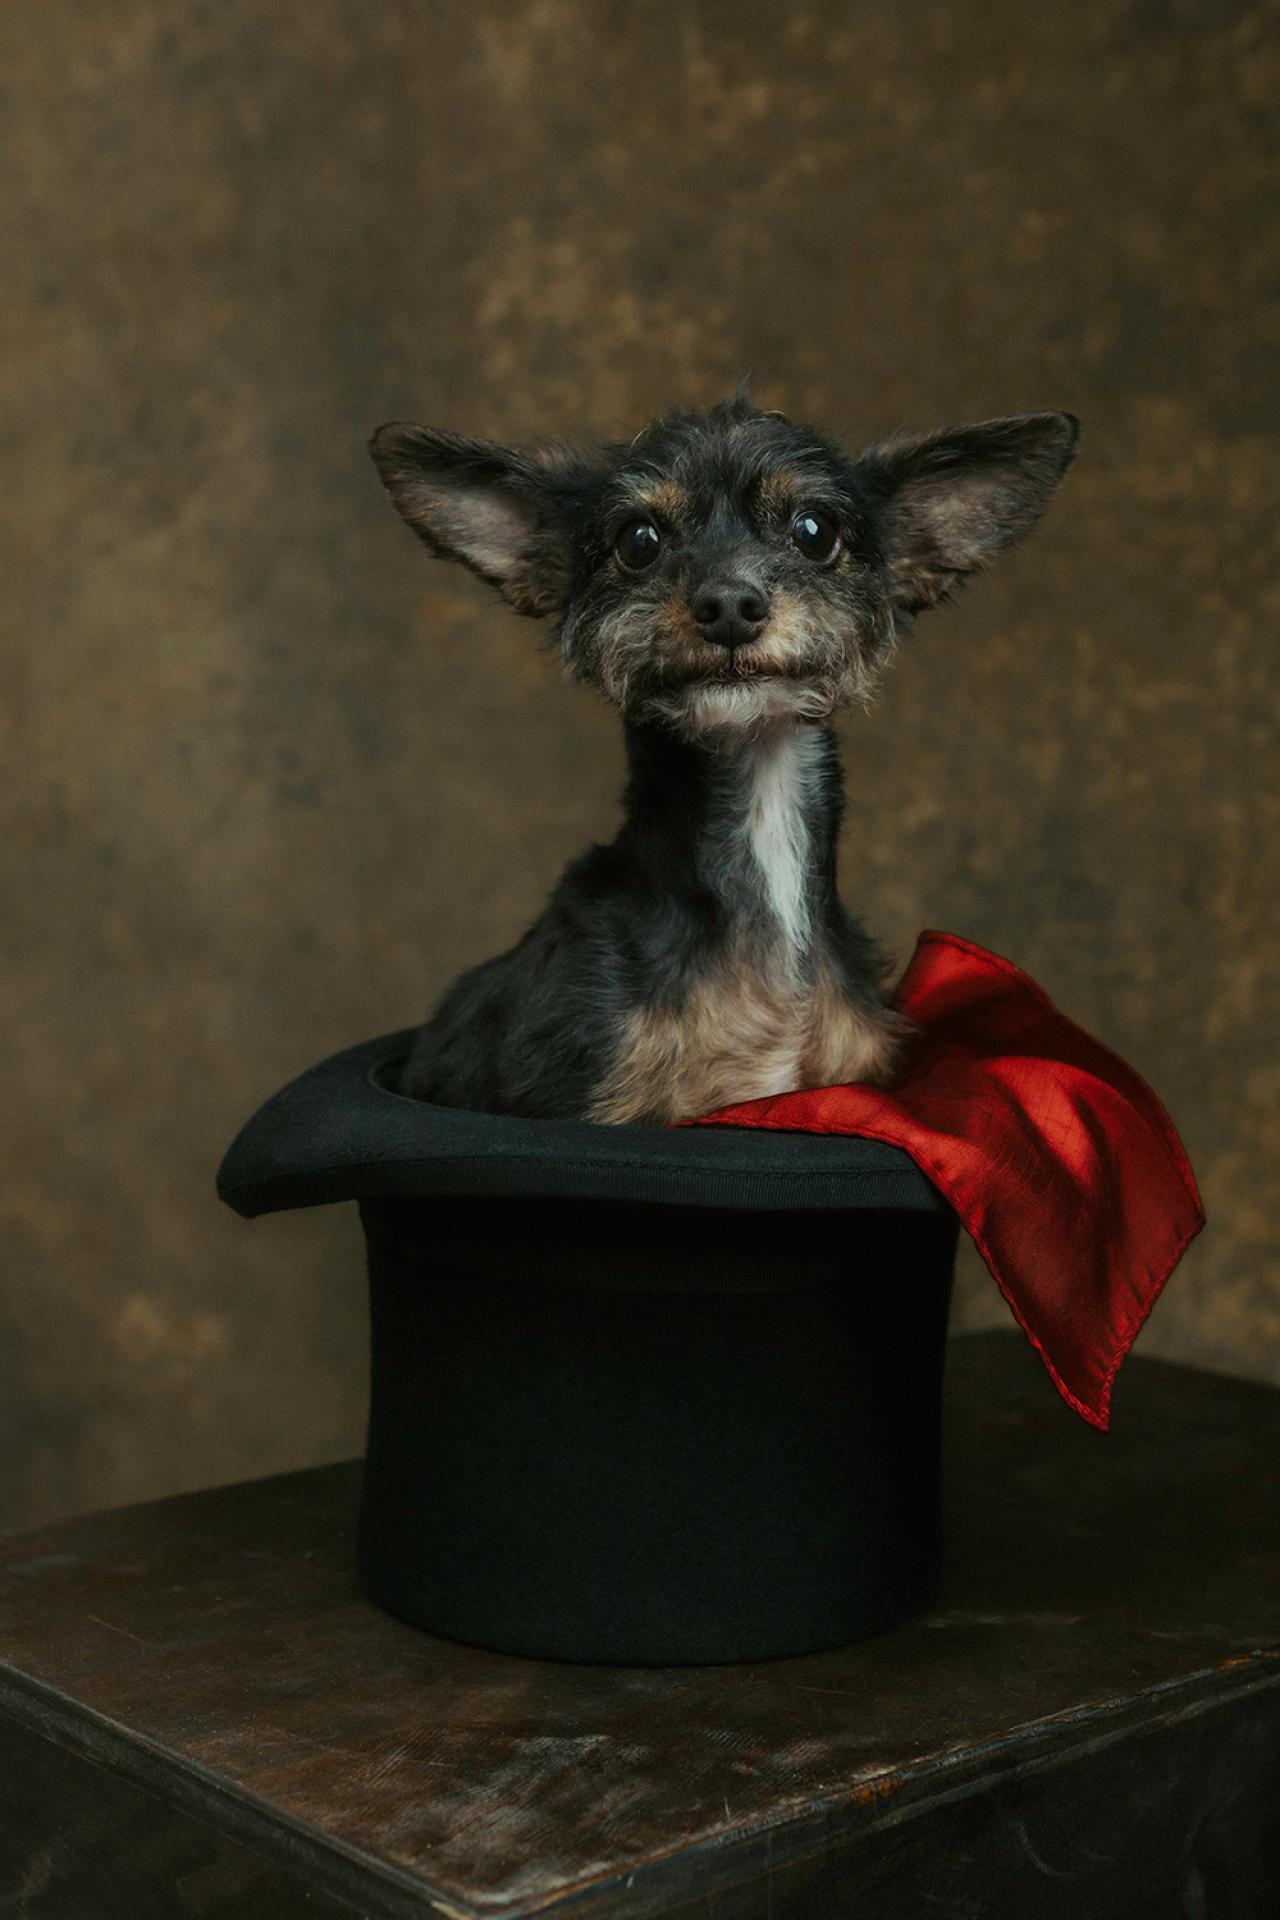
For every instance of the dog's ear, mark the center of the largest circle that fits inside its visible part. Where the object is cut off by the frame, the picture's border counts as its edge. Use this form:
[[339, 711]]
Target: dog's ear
[[950, 501], [500, 510]]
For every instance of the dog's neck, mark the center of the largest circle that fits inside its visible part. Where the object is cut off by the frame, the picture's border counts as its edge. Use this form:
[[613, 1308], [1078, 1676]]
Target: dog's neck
[[744, 829]]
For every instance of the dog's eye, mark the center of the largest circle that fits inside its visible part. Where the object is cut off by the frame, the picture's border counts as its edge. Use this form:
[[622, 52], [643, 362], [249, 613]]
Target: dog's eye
[[815, 534], [638, 545]]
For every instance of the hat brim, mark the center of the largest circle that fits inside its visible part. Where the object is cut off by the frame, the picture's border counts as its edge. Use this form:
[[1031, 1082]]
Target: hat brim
[[341, 1131]]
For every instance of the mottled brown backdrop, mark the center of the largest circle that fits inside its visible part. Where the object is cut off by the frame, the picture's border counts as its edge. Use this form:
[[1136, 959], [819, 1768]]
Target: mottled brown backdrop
[[274, 777]]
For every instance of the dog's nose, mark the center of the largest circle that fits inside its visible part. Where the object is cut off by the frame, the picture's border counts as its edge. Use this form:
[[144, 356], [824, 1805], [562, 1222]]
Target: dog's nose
[[730, 612]]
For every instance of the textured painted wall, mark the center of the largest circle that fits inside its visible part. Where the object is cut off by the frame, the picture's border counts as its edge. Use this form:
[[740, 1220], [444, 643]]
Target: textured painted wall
[[274, 777]]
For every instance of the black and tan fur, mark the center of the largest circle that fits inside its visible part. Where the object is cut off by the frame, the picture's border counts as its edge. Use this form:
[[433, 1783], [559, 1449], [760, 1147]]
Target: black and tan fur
[[703, 955]]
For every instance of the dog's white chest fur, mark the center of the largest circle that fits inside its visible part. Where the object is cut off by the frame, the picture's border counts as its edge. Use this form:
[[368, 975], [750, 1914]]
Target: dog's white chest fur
[[768, 1014], [780, 776]]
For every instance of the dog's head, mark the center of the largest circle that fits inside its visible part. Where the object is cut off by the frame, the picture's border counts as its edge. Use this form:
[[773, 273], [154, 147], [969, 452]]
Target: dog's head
[[728, 567]]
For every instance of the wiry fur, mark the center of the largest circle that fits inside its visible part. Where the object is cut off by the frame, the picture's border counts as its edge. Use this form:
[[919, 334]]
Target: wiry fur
[[703, 956]]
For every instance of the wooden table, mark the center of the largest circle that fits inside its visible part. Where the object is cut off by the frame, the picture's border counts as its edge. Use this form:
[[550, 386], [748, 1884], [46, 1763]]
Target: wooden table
[[201, 1715]]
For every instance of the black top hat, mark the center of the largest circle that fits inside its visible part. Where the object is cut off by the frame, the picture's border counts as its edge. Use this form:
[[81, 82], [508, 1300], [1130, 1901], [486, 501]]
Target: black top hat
[[639, 1394]]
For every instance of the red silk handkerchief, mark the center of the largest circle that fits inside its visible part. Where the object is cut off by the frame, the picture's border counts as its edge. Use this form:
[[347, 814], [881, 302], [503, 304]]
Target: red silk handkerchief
[[1058, 1158]]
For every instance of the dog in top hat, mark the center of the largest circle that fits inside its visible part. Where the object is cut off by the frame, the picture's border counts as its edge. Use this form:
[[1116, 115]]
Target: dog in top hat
[[728, 580]]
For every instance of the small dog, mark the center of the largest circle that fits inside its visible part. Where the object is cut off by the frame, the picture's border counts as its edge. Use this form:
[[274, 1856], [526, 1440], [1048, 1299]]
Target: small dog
[[729, 580]]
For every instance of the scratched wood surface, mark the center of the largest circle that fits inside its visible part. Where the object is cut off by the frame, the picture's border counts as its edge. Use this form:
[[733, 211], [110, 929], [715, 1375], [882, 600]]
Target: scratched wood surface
[[1109, 1629]]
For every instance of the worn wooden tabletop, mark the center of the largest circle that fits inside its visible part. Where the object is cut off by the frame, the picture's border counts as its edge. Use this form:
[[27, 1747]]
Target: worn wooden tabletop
[[212, 1659]]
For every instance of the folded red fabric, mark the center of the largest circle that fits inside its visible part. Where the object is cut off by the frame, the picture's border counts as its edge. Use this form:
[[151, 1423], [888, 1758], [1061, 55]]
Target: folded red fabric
[[1058, 1158]]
